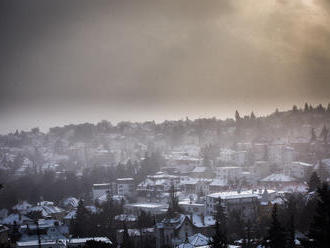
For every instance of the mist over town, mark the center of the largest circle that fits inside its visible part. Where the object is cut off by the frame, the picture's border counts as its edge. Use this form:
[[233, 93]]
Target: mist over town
[[164, 124]]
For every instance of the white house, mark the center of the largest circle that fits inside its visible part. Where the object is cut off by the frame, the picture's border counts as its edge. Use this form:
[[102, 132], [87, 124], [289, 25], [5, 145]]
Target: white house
[[246, 201]]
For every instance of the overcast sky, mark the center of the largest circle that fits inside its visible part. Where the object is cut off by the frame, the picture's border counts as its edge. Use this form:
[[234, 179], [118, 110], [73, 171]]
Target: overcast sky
[[75, 61]]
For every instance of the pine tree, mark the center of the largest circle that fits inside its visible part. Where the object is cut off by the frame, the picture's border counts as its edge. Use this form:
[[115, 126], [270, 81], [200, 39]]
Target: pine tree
[[306, 108], [294, 108], [173, 205], [291, 232], [276, 232], [126, 242], [311, 109], [80, 225], [219, 240], [237, 116], [320, 227], [253, 117], [323, 171], [324, 134], [314, 182], [313, 135]]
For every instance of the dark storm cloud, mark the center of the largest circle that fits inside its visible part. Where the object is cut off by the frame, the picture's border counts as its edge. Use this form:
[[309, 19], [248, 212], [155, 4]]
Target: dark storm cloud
[[187, 54]]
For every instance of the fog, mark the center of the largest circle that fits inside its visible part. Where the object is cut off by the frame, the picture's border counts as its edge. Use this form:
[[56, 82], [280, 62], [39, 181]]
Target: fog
[[82, 61]]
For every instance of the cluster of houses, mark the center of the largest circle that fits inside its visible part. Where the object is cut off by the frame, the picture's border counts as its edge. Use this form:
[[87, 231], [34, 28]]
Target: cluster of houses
[[246, 177], [42, 225]]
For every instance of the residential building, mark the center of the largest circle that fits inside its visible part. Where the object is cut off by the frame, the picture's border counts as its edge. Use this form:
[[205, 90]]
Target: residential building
[[245, 201], [125, 187]]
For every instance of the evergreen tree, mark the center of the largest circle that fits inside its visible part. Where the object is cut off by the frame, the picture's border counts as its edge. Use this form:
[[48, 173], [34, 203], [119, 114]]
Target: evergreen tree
[[313, 135], [306, 108], [320, 227], [219, 240], [126, 242], [311, 109], [323, 171], [294, 108], [324, 134], [81, 223], [253, 117], [15, 234], [173, 205], [276, 232], [314, 182], [237, 116], [291, 232]]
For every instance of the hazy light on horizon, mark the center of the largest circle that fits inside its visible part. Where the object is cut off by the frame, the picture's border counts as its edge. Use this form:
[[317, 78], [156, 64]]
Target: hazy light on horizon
[[83, 61]]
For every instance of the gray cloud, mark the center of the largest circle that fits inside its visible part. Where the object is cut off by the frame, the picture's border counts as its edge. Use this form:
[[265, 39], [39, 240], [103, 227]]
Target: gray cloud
[[183, 54]]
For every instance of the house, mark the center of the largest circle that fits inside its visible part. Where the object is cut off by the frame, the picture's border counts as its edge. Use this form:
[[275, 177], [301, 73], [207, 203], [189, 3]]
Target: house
[[125, 187], [196, 240], [43, 244], [299, 170], [61, 243], [245, 201], [70, 203], [47, 210], [22, 207], [80, 242], [67, 219], [174, 231], [148, 207], [277, 180], [191, 185], [145, 235], [192, 207], [202, 172], [101, 189], [154, 185], [218, 185], [15, 219], [48, 230]]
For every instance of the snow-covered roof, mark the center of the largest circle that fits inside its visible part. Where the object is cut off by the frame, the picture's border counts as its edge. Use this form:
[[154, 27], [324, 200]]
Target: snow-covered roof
[[22, 206], [125, 179], [202, 221], [46, 210], [149, 205], [126, 217], [71, 201], [70, 215], [84, 240], [301, 164], [198, 240], [19, 219], [34, 243], [185, 245], [62, 242], [199, 169], [278, 178], [233, 195], [218, 182], [91, 209]]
